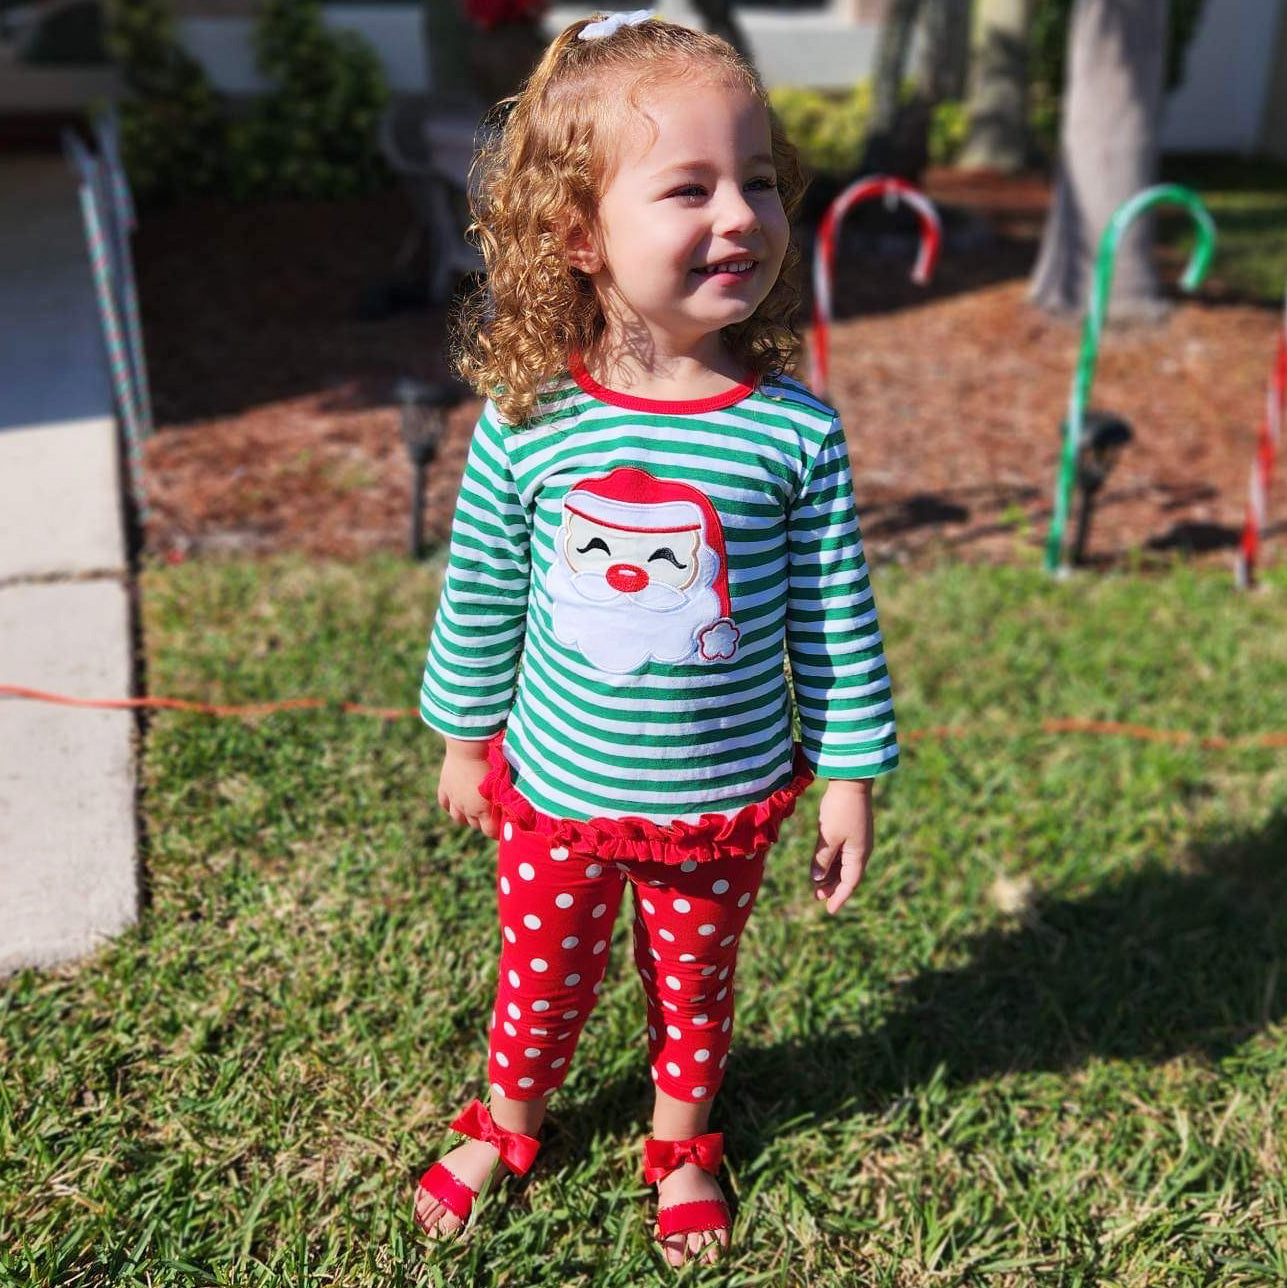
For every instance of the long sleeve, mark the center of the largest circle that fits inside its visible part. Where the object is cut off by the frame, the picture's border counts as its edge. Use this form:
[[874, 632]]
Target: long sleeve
[[838, 669], [477, 635]]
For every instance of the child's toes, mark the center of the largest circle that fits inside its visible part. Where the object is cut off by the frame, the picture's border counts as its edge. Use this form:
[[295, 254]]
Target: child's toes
[[711, 1249], [675, 1246]]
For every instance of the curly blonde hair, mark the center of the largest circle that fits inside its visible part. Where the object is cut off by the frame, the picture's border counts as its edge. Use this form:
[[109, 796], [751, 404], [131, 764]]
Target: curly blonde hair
[[542, 172]]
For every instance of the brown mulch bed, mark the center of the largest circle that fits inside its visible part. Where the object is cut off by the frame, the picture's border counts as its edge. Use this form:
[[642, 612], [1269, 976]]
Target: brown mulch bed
[[278, 429]]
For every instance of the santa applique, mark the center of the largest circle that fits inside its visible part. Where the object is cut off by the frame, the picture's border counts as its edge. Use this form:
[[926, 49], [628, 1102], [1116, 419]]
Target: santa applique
[[640, 573]]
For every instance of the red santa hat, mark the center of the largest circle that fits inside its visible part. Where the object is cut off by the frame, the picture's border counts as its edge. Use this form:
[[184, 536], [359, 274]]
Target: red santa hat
[[634, 501]]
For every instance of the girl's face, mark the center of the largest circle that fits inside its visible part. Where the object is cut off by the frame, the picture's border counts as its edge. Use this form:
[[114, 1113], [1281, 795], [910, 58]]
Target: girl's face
[[701, 193]]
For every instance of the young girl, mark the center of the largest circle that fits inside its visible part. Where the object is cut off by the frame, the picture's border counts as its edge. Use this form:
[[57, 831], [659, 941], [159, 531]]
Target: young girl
[[651, 513]]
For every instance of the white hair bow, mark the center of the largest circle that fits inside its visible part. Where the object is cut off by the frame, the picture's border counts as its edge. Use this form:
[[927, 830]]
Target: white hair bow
[[606, 26]]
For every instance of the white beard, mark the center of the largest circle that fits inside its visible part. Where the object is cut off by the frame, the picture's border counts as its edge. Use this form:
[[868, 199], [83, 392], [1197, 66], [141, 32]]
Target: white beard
[[620, 630]]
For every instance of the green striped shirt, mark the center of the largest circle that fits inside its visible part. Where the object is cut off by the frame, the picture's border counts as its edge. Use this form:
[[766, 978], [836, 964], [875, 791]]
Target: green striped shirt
[[625, 578]]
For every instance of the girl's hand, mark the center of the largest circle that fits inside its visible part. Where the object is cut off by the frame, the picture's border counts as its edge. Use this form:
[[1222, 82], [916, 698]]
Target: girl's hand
[[464, 766], [845, 839]]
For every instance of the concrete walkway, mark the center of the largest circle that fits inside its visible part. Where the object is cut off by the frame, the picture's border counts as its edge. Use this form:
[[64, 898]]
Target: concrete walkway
[[68, 868]]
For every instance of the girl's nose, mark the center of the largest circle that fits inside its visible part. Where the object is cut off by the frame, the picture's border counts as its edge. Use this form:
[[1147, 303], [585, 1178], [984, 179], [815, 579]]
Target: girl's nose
[[736, 215]]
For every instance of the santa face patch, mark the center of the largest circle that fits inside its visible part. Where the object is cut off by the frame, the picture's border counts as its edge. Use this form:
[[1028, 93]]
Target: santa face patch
[[640, 573]]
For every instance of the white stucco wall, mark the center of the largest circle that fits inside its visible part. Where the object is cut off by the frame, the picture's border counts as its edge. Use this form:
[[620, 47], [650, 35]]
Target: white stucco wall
[[1220, 105]]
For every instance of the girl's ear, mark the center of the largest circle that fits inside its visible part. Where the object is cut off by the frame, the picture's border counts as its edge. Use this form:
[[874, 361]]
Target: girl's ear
[[581, 251]]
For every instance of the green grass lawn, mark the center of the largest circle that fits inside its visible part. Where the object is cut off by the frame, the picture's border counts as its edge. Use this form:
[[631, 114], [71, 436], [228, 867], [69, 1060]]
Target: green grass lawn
[[950, 1083], [1248, 201]]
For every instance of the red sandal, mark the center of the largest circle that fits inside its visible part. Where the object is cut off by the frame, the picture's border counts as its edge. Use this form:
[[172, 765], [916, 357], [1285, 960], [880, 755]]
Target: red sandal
[[516, 1151], [661, 1157]]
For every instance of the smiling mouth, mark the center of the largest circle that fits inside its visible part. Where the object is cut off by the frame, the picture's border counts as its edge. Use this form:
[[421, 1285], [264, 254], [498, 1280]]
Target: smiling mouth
[[734, 267]]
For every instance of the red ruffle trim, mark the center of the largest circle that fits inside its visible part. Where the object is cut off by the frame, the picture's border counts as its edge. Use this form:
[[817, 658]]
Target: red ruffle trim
[[713, 836]]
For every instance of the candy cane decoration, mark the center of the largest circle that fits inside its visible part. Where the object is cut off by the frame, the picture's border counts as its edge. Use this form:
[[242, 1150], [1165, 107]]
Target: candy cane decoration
[[1262, 468], [824, 253]]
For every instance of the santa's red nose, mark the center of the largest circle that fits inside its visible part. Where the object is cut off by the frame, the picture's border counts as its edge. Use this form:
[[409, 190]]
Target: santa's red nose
[[627, 577]]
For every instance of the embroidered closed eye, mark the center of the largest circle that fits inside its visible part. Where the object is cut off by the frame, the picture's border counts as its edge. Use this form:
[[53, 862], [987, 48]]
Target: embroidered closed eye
[[593, 543], [665, 552]]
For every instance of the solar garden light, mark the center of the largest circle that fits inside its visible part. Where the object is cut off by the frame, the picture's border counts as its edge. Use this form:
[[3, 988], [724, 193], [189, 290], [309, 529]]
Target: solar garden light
[[424, 408], [1103, 436]]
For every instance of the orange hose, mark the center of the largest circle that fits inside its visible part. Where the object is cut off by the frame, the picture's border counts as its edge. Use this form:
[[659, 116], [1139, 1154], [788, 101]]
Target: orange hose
[[1110, 728]]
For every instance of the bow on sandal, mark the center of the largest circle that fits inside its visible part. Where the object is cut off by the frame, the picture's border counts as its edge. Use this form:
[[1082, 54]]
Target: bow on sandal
[[661, 1157], [516, 1151]]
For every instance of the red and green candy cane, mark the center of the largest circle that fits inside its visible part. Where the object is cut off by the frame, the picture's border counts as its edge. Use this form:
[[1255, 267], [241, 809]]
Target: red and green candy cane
[[824, 253], [1084, 376], [1262, 468]]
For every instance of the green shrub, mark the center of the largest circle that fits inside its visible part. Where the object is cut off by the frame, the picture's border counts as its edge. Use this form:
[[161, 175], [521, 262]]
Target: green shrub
[[828, 126], [314, 133], [173, 125], [948, 127]]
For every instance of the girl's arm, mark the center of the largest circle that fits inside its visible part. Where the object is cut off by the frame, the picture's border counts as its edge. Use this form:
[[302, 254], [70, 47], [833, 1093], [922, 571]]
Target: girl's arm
[[838, 668], [477, 637]]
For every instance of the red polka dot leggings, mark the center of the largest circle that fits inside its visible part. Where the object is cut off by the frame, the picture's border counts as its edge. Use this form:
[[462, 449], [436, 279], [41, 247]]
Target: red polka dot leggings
[[557, 909]]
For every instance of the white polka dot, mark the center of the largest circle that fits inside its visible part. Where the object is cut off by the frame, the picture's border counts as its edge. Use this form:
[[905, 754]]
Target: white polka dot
[[708, 970], [673, 1031], [574, 978], [598, 910], [562, 1036], [540, 1033], [563, 900], [646, 974], [723, 1060], [539, 964], [722, 994], [504, 885], [687, 957], [688, 865], [540, 1005], [652, 1033], [723, 1028], [526, 1082], [493, 1017], [701, 1056], [498, 1090], [509, 831], [532, 1052], [743, 899], [510, 1029], [698, 997], [728, 939], [558, 853], [724, 973], [703, 1018], [670, 1006], [719, 887], [656, 956], [672, 1068], [570, 941], [706, 928], [653, 1071], [597, 986], [648, 905], [513, 1011], [502, 1059], [549, 1091], [656, 883], [571, 1015], [559, 1063], [682, 905], [698, 1092], [599, 945], [510, 935], [672, 981], [592, 869], [666, 935], [526, 871], [532, 921]]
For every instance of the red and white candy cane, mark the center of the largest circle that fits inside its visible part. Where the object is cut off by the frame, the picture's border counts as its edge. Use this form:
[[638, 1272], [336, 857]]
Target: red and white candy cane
[[1262, 467], [824, 252]]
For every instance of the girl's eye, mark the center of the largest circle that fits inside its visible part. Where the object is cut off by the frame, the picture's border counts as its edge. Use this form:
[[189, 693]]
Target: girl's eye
[[696, 190]]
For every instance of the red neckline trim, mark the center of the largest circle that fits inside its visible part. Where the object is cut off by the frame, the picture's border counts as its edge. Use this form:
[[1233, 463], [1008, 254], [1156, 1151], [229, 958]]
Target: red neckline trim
[[716, 402]]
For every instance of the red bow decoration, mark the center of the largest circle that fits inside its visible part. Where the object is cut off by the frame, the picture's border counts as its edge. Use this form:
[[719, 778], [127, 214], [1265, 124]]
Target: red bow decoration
[[516, 1150], [661, 1157]]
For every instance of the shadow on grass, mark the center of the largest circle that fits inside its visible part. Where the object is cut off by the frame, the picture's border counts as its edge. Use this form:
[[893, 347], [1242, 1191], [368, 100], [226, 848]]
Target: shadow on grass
[[1154, 965]]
